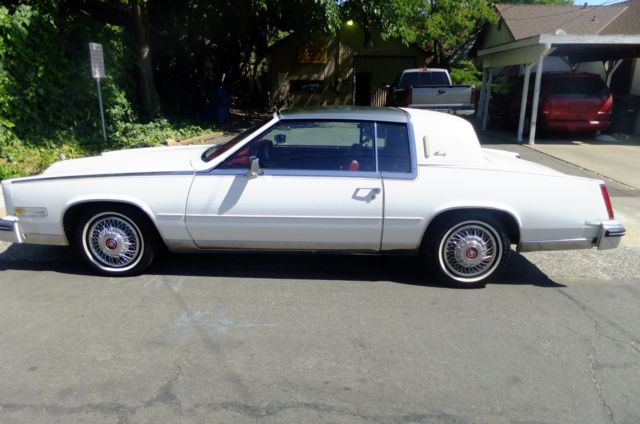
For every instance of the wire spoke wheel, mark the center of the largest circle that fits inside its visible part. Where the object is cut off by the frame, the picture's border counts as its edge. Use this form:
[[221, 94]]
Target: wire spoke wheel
[[469, 252], [113, 242]]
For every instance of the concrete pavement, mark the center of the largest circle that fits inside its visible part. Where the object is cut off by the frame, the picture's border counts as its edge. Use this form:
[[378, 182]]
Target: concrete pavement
[[625, 199], [616, 160]]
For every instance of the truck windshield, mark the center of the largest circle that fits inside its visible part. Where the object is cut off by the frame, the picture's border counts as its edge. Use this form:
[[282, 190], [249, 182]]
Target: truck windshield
[[413, 79]]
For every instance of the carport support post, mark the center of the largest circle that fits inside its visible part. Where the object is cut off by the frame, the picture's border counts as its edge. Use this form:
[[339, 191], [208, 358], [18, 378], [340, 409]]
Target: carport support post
[[483, 87], [523, 102], [487, 97], [536, 100]]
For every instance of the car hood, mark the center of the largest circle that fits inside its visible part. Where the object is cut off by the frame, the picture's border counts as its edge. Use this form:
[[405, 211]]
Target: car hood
[[143, 160]]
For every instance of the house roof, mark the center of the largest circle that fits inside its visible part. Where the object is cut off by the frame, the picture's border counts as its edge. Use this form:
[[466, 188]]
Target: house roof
[[528, 20], [628, 22]]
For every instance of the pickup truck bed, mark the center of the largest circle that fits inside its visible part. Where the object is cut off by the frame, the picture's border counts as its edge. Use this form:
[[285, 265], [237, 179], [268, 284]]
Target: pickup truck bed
[[432, 89]]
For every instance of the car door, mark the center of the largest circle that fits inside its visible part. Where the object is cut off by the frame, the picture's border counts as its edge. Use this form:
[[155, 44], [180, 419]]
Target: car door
[[317, 188]]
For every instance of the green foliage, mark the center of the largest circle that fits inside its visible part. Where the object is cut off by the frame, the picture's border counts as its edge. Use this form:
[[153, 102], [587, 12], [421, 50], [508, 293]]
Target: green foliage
[[439, 26], [466, 72], [130, 135], [27, 157], [561, 2], [45, 84], [48, 100]]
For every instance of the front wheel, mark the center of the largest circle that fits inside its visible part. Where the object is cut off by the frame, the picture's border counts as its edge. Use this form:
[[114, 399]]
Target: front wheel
[[467, 251], [117, 242]]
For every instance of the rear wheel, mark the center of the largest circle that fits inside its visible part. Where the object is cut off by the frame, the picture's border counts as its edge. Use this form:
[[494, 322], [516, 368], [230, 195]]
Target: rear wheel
[[116, 242], [467, 251]]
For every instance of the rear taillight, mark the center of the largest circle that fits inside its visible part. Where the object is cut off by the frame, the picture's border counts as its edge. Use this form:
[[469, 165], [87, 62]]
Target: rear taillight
[[607, 106], [546, 107], [408, 96], [607, 200], [474, 95]]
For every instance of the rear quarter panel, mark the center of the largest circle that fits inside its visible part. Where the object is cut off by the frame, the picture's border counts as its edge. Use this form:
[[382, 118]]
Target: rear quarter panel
[[546, 207]]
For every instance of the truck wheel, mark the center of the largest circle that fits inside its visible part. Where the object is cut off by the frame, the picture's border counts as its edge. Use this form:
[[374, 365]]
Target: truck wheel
[[116, 242], [467, 251]]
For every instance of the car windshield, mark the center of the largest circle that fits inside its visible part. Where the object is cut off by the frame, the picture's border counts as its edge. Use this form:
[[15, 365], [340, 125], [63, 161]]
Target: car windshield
[[218, 149]]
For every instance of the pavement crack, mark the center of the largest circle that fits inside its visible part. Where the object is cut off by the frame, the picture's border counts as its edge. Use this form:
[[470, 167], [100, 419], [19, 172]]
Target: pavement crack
[[260, 412], [591, 315], [596, 384], [166, 393]]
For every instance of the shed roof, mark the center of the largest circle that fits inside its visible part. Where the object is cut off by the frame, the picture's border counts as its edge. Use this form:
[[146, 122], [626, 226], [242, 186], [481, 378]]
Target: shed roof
[[528, 20]]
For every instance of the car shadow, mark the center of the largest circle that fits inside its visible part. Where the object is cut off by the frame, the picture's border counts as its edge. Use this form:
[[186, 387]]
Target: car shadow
[[297, 266]]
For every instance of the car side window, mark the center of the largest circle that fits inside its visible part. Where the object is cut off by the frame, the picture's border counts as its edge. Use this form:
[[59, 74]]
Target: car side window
[[394, 154], [310, 145]]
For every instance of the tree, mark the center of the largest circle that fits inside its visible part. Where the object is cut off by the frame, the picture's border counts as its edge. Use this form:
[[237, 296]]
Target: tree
[[439, 26], [131, 15], [198, 42], [560, 2]]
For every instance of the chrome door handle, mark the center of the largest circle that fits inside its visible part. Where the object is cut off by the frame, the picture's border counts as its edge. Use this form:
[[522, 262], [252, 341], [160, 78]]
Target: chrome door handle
[[371, 193]]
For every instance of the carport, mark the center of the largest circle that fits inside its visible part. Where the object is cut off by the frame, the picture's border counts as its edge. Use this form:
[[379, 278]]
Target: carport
[[530, 52]]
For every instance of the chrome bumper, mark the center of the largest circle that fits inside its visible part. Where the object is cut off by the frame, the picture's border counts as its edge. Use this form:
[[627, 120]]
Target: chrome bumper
[[609, 235], [9, 230]]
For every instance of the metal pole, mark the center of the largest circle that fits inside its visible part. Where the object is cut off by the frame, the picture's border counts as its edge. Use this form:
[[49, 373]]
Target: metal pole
[[523, 103], [104, 128], [536, 99], [483, 87], [487, 99]]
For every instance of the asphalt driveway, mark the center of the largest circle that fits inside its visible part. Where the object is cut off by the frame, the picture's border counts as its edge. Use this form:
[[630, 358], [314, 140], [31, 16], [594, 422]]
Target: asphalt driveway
[[318, 339]]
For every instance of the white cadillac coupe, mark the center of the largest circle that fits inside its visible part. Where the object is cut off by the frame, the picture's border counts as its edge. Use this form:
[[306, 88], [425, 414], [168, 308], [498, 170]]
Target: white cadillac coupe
[[355, 180]]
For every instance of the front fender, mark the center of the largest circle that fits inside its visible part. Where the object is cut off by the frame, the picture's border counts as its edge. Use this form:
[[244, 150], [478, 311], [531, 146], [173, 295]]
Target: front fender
[[113, 198]]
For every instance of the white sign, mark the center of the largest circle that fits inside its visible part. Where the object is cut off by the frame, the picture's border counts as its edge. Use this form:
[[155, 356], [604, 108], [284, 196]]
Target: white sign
[[97, 60]]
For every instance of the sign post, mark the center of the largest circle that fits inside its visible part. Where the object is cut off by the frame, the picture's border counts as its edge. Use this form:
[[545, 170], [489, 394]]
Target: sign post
[[97, 72]]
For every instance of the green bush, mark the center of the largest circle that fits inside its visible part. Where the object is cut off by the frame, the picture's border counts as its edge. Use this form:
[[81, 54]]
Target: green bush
[[48, 100], [465, 72], [20, 158]]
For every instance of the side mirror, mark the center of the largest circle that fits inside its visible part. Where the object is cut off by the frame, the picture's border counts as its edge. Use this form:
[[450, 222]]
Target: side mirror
[[254, 167], [280, 138]]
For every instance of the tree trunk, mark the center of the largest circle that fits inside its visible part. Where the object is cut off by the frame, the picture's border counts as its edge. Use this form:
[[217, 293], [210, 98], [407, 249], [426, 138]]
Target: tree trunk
[[148, 94]]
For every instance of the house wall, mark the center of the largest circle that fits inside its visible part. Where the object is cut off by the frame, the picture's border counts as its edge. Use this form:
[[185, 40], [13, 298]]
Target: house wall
[[496, 35], [284, 68], [347, 54]]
